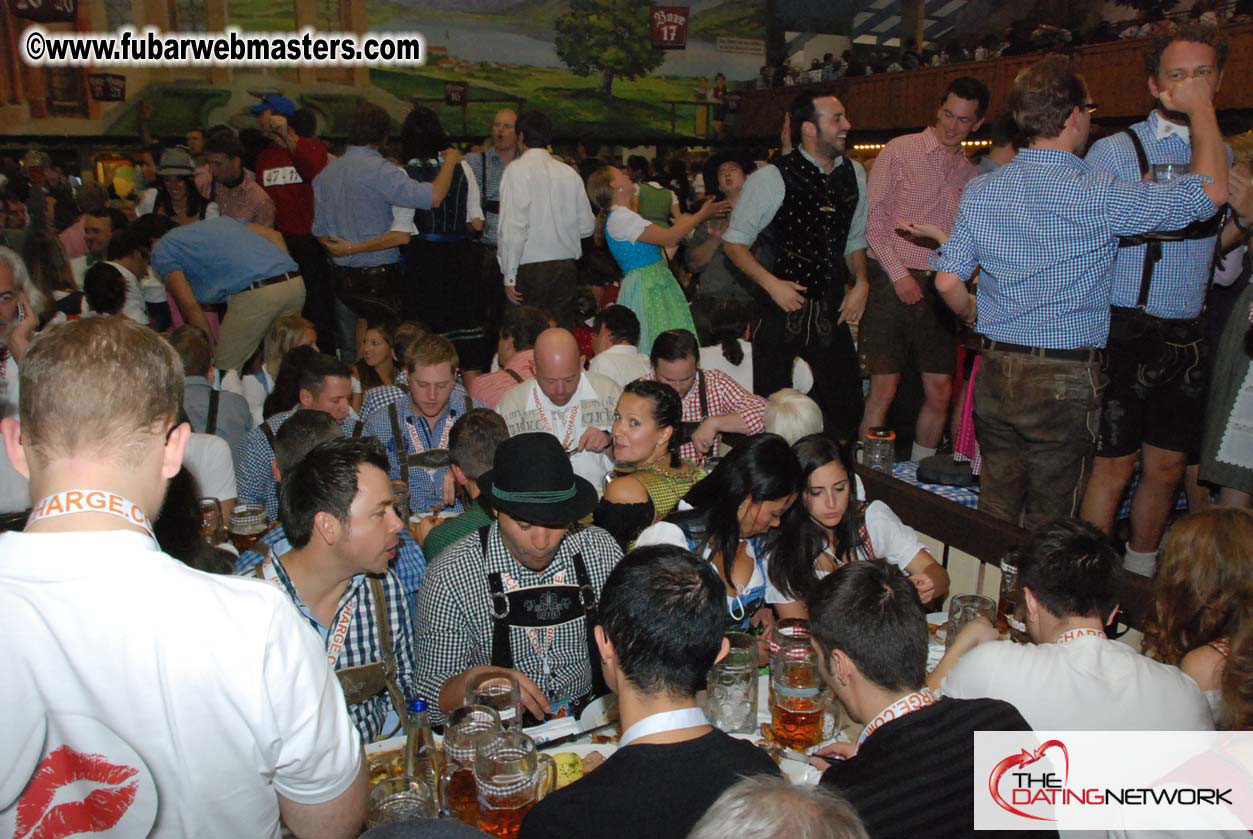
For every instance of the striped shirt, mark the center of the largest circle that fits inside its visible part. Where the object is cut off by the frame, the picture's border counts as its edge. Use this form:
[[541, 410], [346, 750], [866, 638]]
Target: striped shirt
[[1044, 230], [1182, 274], [915, 178], [362, 646], [453, 629]]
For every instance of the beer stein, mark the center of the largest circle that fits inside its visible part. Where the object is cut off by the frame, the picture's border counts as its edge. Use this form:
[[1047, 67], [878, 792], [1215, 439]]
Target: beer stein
[[469, 728], [796, 707], [511, 775]]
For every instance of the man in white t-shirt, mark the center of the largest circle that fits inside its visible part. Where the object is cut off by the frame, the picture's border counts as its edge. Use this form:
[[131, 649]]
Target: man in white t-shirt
[[615, 339], [1073, 678], [574, 406], [142, 697]]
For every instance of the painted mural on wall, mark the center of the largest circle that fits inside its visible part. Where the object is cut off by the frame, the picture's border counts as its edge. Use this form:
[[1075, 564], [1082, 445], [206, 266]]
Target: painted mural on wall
[[602, 69]]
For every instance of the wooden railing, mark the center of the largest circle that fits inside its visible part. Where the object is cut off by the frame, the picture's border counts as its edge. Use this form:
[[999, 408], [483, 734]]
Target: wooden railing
[[891, 103], [968, 533]]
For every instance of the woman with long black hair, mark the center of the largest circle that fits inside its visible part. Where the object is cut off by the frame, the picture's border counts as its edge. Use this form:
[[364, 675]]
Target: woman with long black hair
[[724, 516], [830, 528]]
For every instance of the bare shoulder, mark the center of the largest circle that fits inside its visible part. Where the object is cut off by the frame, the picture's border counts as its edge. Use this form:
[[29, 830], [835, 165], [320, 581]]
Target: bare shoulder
[[626, 490]]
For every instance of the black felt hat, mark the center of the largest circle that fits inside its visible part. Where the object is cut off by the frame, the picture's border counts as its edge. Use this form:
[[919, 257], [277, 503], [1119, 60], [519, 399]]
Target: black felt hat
[[531, 480]]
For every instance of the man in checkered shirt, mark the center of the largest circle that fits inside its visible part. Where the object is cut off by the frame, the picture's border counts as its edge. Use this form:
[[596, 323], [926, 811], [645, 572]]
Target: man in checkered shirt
[[713, 402], [325, 385], [916, 179], [342, 532], [514, 598], [1043, 229]]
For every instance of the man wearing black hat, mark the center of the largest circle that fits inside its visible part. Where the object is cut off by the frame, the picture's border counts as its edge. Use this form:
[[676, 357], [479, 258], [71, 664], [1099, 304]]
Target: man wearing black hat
[[519, 595]]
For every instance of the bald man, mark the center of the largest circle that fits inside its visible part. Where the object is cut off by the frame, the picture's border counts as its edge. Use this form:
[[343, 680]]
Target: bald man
[[564, 400]]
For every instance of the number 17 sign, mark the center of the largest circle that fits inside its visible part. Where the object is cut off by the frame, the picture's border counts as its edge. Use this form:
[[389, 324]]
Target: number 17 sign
[[669, 26]]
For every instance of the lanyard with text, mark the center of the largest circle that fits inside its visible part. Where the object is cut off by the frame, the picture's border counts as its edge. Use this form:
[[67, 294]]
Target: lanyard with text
[[571, 425], [1074, 634], [73, 501], [665, 721], [905, 705], [416, 438], [339, 631]]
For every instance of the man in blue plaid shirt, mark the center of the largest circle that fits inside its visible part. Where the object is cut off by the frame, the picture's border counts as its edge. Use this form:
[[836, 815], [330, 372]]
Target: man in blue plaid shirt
[[342, 532], [1044, 231], [1157, 359], [300, 434]]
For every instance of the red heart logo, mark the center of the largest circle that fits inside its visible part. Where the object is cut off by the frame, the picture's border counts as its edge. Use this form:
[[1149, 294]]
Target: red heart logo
[[1024, 758]]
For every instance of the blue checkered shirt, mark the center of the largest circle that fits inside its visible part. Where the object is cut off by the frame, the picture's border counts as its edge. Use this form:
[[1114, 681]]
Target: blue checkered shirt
[[425, 486], [254, 474], [409, 565], [362, 645], [489, 190], [1044, 230], [1182, 274]]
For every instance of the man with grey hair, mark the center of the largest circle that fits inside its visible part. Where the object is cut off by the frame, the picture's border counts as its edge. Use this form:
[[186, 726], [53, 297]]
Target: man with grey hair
[[767, 807]]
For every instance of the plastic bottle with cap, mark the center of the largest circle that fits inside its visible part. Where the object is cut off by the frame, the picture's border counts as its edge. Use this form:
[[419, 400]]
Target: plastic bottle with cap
[[421, 758]]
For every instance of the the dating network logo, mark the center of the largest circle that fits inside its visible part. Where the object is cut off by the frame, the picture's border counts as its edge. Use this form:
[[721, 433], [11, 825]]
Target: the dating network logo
[[1022, 792]]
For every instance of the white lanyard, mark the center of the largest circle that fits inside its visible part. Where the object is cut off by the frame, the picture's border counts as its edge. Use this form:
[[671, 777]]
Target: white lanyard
[[339, 630], [1073, 634], [571, 425], [418, 446], [905, 705], [665, 721], [73, 501]]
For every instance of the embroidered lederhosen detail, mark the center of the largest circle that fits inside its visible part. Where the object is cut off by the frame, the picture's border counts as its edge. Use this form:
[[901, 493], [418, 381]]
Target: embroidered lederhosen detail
[[542, 607]]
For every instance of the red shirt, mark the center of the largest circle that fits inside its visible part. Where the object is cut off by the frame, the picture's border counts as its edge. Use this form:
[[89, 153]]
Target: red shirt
[[288, 179]]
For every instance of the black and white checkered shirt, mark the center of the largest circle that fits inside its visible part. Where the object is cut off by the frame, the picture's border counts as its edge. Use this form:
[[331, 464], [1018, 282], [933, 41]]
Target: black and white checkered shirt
[[453, 627]]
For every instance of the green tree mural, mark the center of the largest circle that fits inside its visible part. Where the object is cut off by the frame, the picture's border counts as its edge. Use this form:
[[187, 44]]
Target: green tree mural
[[609, 36]]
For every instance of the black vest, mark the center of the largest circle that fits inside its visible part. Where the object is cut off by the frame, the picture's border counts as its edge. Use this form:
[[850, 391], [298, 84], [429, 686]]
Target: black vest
[[449, 218], [808, 234]]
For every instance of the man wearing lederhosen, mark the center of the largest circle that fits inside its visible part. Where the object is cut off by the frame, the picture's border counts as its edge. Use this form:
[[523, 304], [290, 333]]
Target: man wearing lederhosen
[[519, 596]]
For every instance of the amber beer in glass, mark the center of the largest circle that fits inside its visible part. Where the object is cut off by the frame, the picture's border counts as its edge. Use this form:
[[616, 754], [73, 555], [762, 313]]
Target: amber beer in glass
[[248, 523], [511, 776], [469, 728], [796, 709]]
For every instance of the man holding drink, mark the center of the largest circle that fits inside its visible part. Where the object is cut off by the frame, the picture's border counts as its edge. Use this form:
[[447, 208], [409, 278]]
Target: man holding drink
[[661, 618]]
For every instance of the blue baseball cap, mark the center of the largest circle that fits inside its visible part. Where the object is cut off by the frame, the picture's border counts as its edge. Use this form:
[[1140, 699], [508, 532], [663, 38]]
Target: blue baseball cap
[[277, 104]]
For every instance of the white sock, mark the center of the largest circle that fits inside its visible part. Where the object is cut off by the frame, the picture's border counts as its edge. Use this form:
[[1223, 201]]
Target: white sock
[[1139, 562], [920, 452]]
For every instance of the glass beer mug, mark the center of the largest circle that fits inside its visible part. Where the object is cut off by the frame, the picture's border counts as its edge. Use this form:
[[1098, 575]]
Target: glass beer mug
[[470, 728], [511, 776], [796, 709]]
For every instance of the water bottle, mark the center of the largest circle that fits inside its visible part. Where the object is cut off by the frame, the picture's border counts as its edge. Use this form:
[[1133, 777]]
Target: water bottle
[[421, 759]]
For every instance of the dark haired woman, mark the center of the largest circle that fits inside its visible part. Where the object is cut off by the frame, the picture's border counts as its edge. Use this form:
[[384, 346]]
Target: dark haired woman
[[178, 197], [724, 516], [830, 528], [649, 478], [376, 362]]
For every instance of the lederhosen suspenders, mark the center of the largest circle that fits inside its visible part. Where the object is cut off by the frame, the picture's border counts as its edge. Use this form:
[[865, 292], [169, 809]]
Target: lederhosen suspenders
[[729, 437], [211, 421], [519, 608], [405, 459], [1204, 229], [366, 681], [513, 374]]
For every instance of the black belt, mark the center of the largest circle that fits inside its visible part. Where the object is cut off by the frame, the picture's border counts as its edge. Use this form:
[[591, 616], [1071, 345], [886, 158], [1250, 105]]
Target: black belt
[[280, 278], [373, 269], [1088, 354]]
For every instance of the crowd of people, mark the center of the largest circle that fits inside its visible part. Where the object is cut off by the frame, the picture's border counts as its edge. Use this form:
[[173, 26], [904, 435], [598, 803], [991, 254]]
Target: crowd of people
[[472, 464]]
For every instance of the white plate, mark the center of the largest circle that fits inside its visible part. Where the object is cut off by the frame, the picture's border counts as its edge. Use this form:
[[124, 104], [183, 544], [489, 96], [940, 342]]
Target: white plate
[[582, 749], [796, 772], [598, 712]]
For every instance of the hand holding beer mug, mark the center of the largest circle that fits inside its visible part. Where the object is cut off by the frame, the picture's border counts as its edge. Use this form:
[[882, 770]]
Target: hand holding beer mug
[[796, 711], [511, 776], [470, 728]]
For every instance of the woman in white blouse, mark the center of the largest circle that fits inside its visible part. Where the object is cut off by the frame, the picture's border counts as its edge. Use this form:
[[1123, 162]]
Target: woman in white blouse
[[831, 528]]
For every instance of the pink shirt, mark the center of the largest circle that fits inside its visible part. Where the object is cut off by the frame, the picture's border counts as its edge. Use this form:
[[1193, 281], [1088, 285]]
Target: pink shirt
[[74, 240], [490, 388], [914, 179]]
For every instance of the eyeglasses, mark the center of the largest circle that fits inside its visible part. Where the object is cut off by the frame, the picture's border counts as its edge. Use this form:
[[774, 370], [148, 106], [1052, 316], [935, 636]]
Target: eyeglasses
[[1089, 107]]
